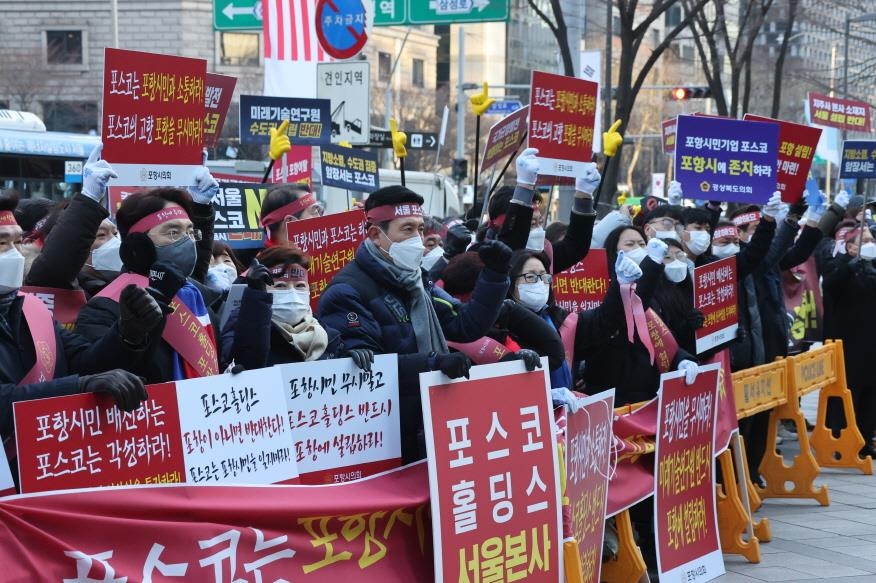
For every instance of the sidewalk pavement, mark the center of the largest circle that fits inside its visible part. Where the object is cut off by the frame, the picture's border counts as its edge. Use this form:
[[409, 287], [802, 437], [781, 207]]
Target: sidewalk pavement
[[835, 543]]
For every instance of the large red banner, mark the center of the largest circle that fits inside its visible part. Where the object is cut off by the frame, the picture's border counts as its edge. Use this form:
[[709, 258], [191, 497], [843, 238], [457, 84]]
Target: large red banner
[[684, 480], [715, 297], [562, 113], [505, 137], [371, 530], [493, 474], [331, 242], [836, 112], [153, 116], [796, 150], [217, 98], [584, 285]]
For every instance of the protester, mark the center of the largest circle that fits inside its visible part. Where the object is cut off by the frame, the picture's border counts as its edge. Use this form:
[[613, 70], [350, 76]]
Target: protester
[[224, 267], [285, 203], [457, 239], [383, 303]]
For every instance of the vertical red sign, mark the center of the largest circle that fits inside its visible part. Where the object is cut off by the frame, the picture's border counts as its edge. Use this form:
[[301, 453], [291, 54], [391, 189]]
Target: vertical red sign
[[715, 297], [217, 98], [668, 130], [796, 150], [294, 167]]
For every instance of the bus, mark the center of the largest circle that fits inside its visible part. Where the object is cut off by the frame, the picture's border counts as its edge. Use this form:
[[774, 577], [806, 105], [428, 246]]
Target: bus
[[32, 160]]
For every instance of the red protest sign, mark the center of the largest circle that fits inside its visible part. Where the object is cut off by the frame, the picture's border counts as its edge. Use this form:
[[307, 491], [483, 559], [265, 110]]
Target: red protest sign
[[584, 285], [64, 304], [836, 112], [493, 474], [726, 422], [715, 297], [293, 167], [668, 130], [684, 479], [796, 149], [588, 448], [331, 242], [562, 113], [505, 137], [84, 441], [153, 116], [217, 98]]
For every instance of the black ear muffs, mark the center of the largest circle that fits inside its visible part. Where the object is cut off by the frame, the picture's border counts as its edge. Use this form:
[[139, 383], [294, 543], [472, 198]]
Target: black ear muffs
[[137, 252]]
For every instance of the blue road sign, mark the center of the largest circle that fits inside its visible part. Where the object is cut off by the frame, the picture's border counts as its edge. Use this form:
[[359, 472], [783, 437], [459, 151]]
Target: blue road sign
[[504, 107]]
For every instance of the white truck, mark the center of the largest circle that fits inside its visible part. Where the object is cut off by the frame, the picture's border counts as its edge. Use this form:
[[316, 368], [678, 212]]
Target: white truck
[[440, 194]]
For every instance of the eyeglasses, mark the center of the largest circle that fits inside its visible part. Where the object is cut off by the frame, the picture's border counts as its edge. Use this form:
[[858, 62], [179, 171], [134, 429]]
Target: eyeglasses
[[175, 235], [535, 277], [667, 223]]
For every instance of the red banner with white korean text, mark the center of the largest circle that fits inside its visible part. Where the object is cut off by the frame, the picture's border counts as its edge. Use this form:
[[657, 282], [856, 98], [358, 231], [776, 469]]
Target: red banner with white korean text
[[715, 297], [331, 242], [796, 150], [64, 304], [634, 427], [293, 167], [668, 129], [494, 475], [374, 529], [217, 98], [726, 422], [584, 285], [505, 137], [153, 117], [836, 112], [686, 525]]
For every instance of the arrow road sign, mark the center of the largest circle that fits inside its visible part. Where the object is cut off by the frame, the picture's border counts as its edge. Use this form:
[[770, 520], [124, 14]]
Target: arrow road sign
[[389, 12], [416, 140], [237, 14]]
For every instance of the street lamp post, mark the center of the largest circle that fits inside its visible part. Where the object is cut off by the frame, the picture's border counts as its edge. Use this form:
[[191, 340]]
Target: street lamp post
[[849, 20]]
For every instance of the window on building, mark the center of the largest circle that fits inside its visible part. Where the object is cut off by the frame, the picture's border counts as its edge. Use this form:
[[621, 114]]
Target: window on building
[[418, 78], [672, 17], [70, 116], [384, 66], [64, 47], [239, 49]]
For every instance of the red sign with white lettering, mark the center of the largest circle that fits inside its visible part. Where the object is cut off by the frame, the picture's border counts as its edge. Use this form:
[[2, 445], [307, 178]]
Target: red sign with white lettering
[[836, 112], [715, 297], [584, 285], [217, 98], [796, 150]]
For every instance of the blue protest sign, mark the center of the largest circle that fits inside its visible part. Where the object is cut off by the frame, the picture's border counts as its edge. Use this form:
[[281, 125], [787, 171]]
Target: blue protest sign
[[504, 107], [349, 168], [859, 159], [309, 119], [726, 159]]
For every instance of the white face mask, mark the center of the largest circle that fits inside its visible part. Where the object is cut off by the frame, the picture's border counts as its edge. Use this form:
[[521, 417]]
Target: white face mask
[[722, 251], [290, 306], [868, 251], [11, 270], [699, 242], [666, 234], [408, 254], [535, 241], [637, 254], [533, 295], [106, 257], [221, 276], [675, 271], [432, 256]]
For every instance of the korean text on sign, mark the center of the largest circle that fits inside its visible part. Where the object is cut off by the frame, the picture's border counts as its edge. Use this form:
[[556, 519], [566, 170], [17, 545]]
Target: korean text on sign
[[309, 119], [217, 98], [355, 170], [836, 112], [859, 159], [492, 456], [715, 296], [505, 137], [584, 285], [796, 150]]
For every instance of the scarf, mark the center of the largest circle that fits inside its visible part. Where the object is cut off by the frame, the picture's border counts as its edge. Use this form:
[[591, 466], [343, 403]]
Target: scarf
[[192, 298], [307, 337], [427, 328]]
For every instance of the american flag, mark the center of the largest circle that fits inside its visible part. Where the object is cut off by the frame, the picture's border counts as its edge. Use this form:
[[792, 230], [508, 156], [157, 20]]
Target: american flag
[[290, 33]]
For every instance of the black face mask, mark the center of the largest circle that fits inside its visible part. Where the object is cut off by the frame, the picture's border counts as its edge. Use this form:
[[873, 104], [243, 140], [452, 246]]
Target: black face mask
[[181, 255]]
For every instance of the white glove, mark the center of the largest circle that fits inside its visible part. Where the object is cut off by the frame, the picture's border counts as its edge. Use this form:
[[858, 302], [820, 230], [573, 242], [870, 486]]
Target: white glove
[[527, 167], [674, 195], [784, 208], [842, 199], [817, 205], [95, 175], [565, 397], [691, 369], [589, 179], [657, 250], [205, 186], [773, 206], [626, 269]]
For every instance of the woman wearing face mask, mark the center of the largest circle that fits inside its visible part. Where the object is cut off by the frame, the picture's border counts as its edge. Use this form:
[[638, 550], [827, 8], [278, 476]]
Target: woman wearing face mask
[[673, 297], [275, 324], [224, 267], [849, 288]]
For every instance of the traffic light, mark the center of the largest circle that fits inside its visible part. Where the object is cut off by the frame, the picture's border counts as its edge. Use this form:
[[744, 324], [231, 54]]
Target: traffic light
[[694, 92], [460, 169]]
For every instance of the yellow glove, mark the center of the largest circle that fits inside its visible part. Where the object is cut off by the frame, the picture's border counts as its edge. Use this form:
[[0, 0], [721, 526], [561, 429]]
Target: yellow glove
[[345, 144], [399, 139], [280, 143], [611, 140], [480, 102]]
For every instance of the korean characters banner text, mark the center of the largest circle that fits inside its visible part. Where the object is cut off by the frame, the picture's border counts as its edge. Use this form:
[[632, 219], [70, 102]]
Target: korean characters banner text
[[726, 159], [859, 159], [715, 296], [349, 168], [584, 285], [796, 149], [217, 98], [505, 137], [493, 474], [835, 112], [153, 117], [309, 119]]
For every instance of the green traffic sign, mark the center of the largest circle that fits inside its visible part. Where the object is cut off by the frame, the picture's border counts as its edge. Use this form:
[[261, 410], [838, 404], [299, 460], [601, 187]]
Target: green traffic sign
[[237, 14], [390, 12]]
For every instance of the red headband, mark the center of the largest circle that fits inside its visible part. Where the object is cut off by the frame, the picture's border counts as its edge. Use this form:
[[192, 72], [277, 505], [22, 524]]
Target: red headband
[[389, 212], [148, 222], [293, 208], [851, 234], [725, 231], [7, 219], [290, 272], [746, 218]]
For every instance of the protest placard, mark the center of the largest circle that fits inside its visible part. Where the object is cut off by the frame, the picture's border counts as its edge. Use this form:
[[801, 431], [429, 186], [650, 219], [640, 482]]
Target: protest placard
[[293, 167], [153, 117], [349, 168], [331, 241], [715, 296], [64, 304], [344, 420], [836, 112], [505, 137], [562, 112], [584, 285], [726, 159], [859, 159], [493, 473], [686, 525], [117, 194], [238, 207], [667, 134], [309, 119], [217, 98], [589, 444], [796, 150]]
